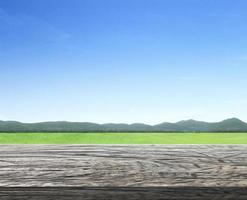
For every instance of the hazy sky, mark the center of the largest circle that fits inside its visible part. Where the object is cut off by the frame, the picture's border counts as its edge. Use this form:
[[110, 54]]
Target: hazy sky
[[123, 60]]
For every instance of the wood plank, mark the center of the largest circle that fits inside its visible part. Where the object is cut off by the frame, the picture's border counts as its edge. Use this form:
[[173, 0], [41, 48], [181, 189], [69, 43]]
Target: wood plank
[[129, 193], [123, 166]]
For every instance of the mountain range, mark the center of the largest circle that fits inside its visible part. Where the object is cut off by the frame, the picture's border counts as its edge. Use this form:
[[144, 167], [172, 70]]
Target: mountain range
[[228, 125]]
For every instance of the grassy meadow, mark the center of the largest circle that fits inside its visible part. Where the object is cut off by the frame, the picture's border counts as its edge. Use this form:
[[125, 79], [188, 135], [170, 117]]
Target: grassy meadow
[[123, 138]]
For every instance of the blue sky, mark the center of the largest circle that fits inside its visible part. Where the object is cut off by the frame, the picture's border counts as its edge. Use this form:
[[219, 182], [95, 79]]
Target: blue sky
[[123, 61]]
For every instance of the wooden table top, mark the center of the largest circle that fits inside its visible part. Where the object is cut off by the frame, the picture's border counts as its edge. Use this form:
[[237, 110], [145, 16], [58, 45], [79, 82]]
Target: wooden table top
[[120, 168]]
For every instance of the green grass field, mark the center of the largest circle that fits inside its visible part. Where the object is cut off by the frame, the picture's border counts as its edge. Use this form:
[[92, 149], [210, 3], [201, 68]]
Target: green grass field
[[123, 138]]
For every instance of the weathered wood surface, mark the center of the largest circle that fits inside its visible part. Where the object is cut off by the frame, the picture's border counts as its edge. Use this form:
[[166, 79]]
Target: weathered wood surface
[[123, 172], [143, 193], [123, 166]]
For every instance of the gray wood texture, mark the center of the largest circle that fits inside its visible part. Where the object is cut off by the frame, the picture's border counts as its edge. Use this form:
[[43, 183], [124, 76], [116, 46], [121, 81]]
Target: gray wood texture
[[123, 166], [132, 171], [130, 193]]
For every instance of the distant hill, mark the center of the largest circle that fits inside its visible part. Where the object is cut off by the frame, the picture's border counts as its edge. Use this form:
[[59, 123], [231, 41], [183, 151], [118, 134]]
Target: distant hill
[[228, 125]]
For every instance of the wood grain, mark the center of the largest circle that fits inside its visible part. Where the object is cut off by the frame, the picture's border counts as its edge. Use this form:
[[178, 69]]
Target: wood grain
[[133, 171], [123, 166], [129, 193]]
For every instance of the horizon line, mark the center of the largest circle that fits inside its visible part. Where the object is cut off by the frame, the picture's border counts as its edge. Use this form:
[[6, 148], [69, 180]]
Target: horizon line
[[232, 118]]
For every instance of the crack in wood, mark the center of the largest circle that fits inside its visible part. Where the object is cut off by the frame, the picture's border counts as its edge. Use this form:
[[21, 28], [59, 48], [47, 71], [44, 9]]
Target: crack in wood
[[131, 171]]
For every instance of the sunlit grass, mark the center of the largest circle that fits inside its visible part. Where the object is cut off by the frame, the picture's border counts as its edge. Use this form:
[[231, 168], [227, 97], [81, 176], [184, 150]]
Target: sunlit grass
[[123, 138]]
